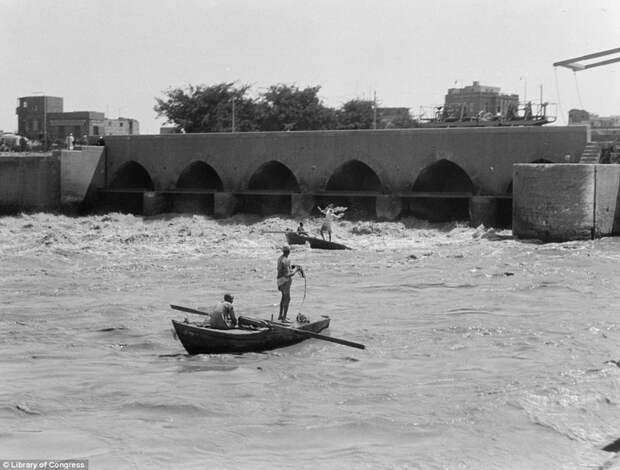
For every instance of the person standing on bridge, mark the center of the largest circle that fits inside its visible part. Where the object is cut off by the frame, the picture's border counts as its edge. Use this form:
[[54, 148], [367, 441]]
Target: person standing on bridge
[[284, 279], [330, 215]]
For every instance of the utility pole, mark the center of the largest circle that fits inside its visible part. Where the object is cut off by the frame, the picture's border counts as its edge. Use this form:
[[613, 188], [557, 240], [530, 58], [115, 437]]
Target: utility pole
[[44, 123], [374, 111], [233, 114]]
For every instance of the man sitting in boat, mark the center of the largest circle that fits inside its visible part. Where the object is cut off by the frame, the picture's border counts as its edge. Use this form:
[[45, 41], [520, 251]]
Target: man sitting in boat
[[301, 231], [223, 315]]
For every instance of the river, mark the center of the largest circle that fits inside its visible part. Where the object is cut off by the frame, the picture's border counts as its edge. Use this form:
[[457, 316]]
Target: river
[[482, 352]]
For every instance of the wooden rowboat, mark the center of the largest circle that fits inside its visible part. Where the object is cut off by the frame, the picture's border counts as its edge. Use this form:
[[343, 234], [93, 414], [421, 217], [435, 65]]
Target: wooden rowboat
[[254, 337], [294, 238]]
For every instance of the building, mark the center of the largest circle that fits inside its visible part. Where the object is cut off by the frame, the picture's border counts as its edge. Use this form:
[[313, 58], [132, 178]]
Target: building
[[78, 123], [601, 128], [478, 99], [43, 118], [121, 126], [32, 114]]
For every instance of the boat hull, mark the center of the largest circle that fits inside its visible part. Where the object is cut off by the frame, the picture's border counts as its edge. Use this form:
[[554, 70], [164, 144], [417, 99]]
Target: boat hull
[[295, 239], [200, 340]]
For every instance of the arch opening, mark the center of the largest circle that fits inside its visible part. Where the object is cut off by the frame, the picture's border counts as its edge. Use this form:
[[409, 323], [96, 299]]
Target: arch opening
[[271, 176], [504, 209], [447, 177], [132, 175], [199, 175], [354, 176], [128, 185]]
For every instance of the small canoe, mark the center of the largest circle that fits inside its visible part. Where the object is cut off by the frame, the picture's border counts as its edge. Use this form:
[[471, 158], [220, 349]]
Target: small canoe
[[295, 239], [201, 340]]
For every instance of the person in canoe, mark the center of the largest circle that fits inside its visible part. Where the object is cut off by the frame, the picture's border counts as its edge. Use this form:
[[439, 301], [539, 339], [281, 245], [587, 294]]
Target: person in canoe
[[331, 214], [284, 279], [301, 230], [223, 316]]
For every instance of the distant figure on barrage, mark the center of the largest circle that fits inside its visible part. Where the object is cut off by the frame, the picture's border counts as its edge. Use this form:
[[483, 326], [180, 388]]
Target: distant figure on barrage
[[70, 141], [331, 213]]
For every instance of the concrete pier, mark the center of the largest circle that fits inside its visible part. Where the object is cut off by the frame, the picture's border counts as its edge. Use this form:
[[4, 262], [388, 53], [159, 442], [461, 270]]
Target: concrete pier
[[224, 204], [301, 205], [154, 203], [483, 211], [565, 201], [388, 207]]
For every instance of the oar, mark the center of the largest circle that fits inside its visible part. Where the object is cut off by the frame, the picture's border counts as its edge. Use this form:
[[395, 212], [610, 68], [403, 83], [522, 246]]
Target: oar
[[312, 334], [274, 231], [189, 310]]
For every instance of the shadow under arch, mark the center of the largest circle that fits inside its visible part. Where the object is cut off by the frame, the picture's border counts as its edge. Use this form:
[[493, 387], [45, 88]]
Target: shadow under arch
[[442, 176], [353, 176], [271, 176], [128, 185], [195, 187], [542, 160], [131, 175], [200, 175]]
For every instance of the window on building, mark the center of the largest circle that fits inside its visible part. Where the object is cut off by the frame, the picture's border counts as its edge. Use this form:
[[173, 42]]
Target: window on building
[[121, 124], [95, 130], [24, 104], [35, 124]]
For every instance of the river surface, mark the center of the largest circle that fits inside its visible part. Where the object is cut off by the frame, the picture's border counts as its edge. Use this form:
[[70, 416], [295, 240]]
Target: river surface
[[483, 352]]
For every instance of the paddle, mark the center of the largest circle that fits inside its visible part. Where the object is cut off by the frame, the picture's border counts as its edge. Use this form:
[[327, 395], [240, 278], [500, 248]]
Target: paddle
[[189, 310], [310, 334]]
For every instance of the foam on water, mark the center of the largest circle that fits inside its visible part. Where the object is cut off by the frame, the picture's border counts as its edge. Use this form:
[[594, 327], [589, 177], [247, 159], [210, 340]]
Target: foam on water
[[480, 348]]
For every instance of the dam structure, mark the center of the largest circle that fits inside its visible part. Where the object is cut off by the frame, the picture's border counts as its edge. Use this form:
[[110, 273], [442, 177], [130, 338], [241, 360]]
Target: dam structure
[[433, 174]]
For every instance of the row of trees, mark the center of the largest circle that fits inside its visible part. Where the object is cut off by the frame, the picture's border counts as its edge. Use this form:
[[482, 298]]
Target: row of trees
[[229, 106]]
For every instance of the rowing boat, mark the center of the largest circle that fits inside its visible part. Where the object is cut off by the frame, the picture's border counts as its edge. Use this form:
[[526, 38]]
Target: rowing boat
[[295, 239], [255, 336]]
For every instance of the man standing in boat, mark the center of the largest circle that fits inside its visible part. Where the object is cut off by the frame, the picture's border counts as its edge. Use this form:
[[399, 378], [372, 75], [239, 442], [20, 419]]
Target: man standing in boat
[[223, 316], [285, 279], [330, 214]]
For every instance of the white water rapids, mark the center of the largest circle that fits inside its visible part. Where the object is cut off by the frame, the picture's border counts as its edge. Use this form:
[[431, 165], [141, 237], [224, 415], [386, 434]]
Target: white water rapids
[[482, 352]]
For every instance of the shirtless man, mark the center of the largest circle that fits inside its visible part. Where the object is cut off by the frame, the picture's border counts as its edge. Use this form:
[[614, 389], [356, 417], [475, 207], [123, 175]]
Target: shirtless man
[[330, 216], [223, 316], [285, 279]]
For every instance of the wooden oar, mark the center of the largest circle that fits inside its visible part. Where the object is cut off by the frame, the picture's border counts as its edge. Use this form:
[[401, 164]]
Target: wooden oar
[[189, 310], [310, 334]]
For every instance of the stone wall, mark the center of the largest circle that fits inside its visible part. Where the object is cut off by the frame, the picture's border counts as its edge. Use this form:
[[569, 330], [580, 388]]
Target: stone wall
[[566, 202], [29, 183]]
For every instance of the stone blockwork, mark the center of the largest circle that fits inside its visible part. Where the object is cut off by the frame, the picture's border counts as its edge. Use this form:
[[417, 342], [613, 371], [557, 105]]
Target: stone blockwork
[[566, 202], [29, 183], [394, 158]]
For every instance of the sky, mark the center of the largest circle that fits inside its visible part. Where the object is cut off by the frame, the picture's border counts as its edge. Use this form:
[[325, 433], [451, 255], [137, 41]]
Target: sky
[[118, 56]]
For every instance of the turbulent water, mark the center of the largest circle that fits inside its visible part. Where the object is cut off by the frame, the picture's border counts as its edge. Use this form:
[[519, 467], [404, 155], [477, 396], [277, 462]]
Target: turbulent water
[[483, 352]]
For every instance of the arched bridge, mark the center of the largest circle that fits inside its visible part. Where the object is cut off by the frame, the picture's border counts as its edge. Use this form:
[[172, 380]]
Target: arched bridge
[[431, 173]]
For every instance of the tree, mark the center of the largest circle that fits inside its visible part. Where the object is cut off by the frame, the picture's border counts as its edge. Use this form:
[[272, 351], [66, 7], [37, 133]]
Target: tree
[[286, 107], [356, 114], [208, 108]]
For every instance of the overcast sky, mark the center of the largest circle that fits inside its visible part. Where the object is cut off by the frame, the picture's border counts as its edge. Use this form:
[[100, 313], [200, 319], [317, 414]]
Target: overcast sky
[[117, 56]]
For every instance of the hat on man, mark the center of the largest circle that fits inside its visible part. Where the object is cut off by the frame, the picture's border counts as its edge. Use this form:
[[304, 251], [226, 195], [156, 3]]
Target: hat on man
[[228, 297], [286, 248]]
